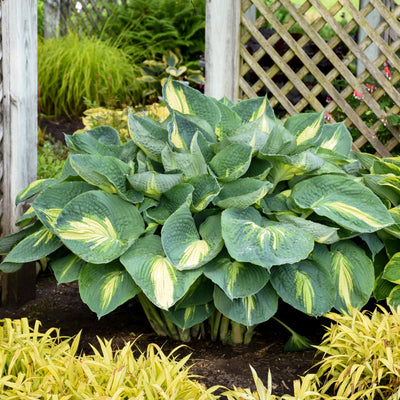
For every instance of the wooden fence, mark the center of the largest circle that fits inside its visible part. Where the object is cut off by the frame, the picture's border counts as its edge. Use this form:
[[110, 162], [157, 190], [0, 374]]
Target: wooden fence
[[300, 69]]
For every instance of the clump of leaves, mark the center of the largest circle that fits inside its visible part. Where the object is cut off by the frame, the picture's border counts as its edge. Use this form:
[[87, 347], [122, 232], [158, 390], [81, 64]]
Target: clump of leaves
[[155, 73], [214, 214], [69, 71], [361, 355], [35, 364]]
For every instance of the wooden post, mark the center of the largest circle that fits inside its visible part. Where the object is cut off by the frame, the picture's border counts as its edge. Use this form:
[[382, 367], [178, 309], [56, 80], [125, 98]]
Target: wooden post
[[18, 125], [222, 48]]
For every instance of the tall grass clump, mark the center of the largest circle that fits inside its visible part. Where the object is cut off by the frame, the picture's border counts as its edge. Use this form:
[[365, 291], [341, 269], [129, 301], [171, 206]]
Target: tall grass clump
[[147, 28], [73, 69]]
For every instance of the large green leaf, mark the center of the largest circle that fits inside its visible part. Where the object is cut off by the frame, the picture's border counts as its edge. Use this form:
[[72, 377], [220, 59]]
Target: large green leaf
[[187, 100], [37, 245], [106, 135], [394, 297], [160, 281], [83, 143], [382, 188], [254, 239], [242, 193], [200, 292], [67, 269], [247, 109], [98, 226], [52, 200], [251, 310], [104, 287], [154, 184], [232, 162], [236, 279], [187, 317], [9, 241], [186, 247], [34, 188], [305, 285], [148, 135], [392, 269], [280, 140], [229, 119], [206, 188], [336, 137], [353, 275], [394, 230], [345, 201], [107, 173]]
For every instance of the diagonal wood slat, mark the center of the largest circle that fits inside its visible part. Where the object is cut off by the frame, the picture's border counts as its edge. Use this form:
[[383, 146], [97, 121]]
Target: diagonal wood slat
[[300, 71]]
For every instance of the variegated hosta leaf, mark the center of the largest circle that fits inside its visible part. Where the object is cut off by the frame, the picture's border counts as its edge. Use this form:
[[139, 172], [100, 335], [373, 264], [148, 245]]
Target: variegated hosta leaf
[[67, 269], [392, 269], [104, 287], [98, 226], [394, 297], [353, 275], [336, 137], [26, 218], [259, 169], [190, 164], [206, 188], [285, 168], [321, 233], [34, 188], [378, 185], [280, 140], [183, 128], [9, 241], [367, 160], [160, 281], [248, 109], [242, 193], [236, 279], [200, 292], [344, 201], [154, 184], [187, 317], [229, 119], [107, 173], [251, 310], [264, 110], [231, 162], [393, 230], [187, 100], [52, 200], [82, 143], [382, 288], [170, 201], [148, 135], [37, 245], [380, 167], [307, 128], [184, 246], [106, 135], [9, 268], [305, 285], [254, 239]]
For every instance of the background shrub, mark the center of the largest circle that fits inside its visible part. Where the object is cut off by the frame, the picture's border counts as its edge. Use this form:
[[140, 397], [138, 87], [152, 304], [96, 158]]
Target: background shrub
[[72, 69]]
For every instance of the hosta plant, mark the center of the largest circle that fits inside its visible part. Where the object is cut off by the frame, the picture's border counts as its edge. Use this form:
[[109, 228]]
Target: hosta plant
[[214, 214]]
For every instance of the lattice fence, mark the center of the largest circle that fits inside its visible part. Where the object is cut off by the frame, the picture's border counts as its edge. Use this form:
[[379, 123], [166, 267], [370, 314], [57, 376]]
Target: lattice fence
[[89, 14], [304, 71]]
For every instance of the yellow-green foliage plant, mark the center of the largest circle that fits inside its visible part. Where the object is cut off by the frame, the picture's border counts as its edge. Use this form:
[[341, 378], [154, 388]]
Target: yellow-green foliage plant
[[118, 119], [36, 365], [361, 355], [72, 69]]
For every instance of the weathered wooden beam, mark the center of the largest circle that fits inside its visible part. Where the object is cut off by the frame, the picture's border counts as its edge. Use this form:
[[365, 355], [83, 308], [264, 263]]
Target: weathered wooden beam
[[222, 48], [19, 123]]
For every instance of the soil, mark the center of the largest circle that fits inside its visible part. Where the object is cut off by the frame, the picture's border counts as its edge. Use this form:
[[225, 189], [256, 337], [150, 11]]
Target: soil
[[217, 364]]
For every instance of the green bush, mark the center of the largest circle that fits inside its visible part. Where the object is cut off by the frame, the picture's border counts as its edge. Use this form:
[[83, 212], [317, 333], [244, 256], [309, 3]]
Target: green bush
[[72, 69], [146, 29], [215, 214]]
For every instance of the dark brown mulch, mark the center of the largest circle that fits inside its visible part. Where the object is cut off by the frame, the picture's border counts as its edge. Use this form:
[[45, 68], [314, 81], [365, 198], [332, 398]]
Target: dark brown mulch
[[56, 128], [218, 364]]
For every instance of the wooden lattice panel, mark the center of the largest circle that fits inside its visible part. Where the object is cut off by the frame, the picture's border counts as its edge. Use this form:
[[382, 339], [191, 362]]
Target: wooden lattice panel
[[303, 72], [90, 13]]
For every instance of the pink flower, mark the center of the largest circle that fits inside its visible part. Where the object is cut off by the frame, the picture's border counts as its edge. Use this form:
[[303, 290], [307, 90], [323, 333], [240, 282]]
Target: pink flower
[[328, 116], [384, 120], [387, 72], [370, 88], [357, 95], [328, 99], [374, 134]]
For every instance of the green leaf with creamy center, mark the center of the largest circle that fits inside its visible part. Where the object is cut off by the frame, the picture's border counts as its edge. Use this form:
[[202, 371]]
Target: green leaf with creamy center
[[52, 200], [353, 275], [250, 310], [236, 279], [104, 287], [336, 137], [186, 247], [343, 200], [251, 238], [68, 268], [392, 269], [305, 285], [99, 227], [34, 188], [160, 281], [206, 188]]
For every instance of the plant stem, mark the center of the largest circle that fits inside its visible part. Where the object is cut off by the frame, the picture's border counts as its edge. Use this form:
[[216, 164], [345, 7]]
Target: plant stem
[[153, 316], [237, 332], [184, 335], [215, 321], [224, 329], [249, 334]]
